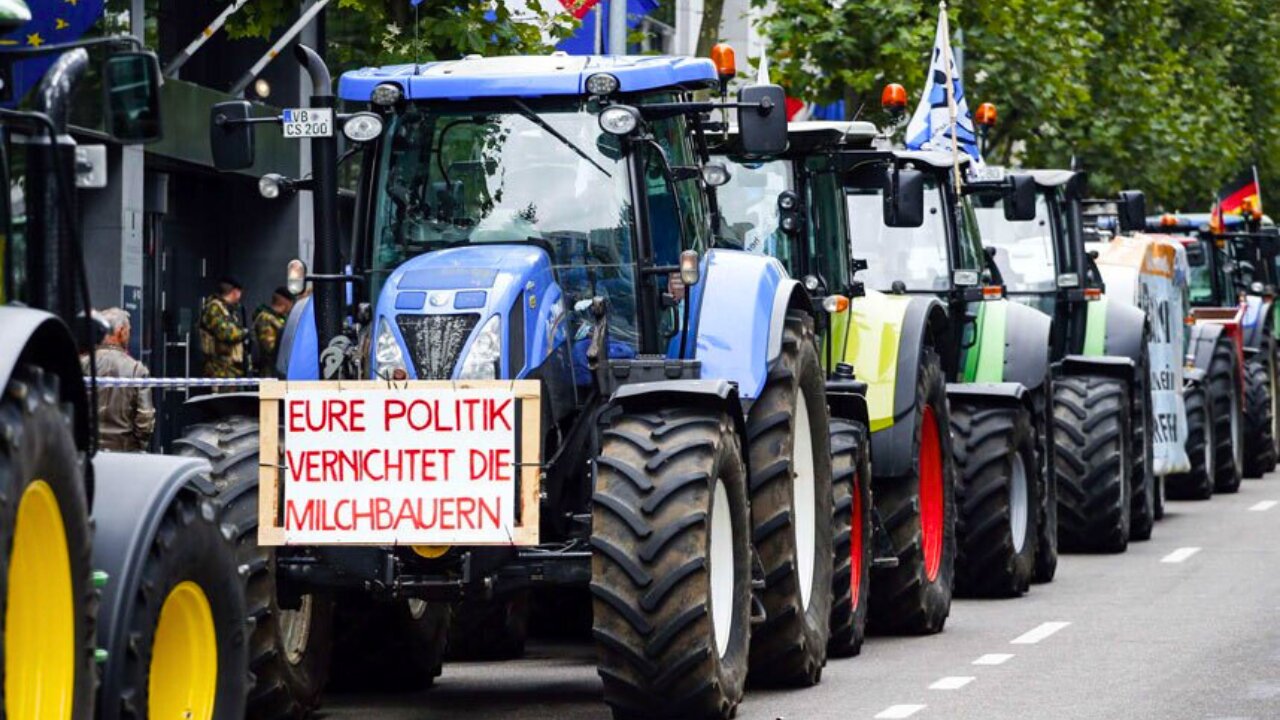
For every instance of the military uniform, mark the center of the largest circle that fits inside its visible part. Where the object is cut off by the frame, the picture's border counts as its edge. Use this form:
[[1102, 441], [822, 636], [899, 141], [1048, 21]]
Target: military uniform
[[126, 416], [222, 338], [267, 326]]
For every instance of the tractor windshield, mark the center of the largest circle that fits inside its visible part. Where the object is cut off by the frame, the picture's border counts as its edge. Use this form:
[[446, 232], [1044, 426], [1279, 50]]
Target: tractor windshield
[[915, 256], [749, 206], [1024, 250]]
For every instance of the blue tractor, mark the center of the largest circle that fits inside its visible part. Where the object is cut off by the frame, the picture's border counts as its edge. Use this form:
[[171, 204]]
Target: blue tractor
[[550, 218]]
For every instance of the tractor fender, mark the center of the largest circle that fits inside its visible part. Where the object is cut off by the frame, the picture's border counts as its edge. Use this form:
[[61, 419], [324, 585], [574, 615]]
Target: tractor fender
[[39, 338], [135, 490], [742, 303], [674, 393], [924, 324], [299, 354], [212, 406], [1256, 323], [1200, 347], [1008, 394], [1027, 335], [1126, 331], [1117, 367]]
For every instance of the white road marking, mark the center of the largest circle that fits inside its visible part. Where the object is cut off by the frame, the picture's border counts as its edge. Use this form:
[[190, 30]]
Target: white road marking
[[993, 659], [1179, 555], [954, 682], [1264, 506], [897, 712], [1036, 634]]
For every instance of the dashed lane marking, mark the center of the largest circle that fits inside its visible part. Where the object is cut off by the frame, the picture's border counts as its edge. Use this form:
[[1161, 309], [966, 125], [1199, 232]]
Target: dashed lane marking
[[952, 683], [1179, 555], [1263, 506], [897, 712], [993, 659], [1036, 634]]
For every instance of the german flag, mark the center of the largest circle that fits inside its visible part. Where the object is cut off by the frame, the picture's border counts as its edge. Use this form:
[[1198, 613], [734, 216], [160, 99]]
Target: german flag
[[1241, 195]]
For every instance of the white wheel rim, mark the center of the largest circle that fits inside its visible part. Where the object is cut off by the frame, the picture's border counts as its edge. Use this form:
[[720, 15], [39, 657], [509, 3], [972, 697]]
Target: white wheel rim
[[720, 558], [1018, 503], [417, 608], [295, 630], [805, 494]]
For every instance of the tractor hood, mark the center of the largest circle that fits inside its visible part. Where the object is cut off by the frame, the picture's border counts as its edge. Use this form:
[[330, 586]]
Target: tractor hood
[[438, 304]]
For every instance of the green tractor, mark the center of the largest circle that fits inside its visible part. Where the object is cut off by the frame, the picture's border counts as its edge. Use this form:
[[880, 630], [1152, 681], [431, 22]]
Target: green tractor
[[958, 378], [1109, 364], [120, 580]]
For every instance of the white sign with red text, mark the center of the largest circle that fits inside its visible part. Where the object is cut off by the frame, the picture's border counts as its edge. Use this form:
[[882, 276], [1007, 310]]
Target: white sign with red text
[[427, 467]]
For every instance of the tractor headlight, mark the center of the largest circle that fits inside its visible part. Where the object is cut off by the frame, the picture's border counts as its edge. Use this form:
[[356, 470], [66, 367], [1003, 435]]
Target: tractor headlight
[[481, 362], [387, 354]]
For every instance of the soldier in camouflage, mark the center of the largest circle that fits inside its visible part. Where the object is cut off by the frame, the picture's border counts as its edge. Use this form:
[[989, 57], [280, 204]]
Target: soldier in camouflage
[[222, 332], [268, 324]]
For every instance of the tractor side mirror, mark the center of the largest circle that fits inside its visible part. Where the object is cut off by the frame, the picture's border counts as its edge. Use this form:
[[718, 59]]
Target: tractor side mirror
[[131, 82], [1133, 211], [230, 135], [762, 125], [1020, 200], [904, 198]]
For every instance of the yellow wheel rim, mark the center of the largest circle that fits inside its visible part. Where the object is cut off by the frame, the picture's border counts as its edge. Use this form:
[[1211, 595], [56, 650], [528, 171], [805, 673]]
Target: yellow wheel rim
[[431, 552], [184, 657], [40, 620]]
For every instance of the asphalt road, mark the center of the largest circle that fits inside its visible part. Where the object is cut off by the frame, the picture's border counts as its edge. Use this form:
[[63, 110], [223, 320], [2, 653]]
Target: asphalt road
[[1186, 625]]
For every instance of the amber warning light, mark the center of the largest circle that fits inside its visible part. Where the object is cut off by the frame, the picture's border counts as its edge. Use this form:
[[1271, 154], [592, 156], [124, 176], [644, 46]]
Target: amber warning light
[[893, 98], [722, 57], [986, 115]]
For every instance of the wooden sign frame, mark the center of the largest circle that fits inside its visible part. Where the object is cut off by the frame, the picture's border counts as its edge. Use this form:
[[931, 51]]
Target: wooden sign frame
[[271, 395]]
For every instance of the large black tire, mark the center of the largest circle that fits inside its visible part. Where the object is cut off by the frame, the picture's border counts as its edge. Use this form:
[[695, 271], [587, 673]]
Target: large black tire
[[189, 549], [1226, 413], [671, 570], [391, 646], [997, 498], [490, 629], [1047, 523], [288, 653], [39, 461], [787, 423], [1142, 518], [1259, 444], [1196, 484], [1093, 433], [850, 537], [914, 598]]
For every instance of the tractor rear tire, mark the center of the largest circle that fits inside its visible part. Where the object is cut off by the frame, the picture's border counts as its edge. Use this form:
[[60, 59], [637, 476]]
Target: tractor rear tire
[[997, 499], [490, 629], [1047, 522], [45, 536], [1259, 445], [788, 436], [288, 651], [1093, 433], [394, 646], [1196, 484], [919, 514], [190, 564], [1142, 519], [1225, 411], [850, 537], [671, 567]]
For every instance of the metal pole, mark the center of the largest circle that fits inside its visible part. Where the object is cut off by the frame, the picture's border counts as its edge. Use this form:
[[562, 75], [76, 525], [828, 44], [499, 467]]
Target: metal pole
[[181, 58], [598, 44], [285, 39], [617, 27]]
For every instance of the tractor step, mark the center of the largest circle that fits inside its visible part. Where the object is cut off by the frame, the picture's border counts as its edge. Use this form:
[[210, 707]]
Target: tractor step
[[884, 563]]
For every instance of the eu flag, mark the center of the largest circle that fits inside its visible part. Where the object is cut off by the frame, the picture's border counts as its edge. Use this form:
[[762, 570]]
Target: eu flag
[[52, 22]]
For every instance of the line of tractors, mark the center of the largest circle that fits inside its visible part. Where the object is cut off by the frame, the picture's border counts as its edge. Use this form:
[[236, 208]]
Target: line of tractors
[[796, 384]]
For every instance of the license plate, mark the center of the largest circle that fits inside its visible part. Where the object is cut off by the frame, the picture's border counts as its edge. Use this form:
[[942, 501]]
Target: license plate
[[308, 122]]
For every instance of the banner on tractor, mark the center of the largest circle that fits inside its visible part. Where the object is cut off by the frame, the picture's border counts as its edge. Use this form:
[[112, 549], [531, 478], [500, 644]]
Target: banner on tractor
[[1151, 272], [423, 463]]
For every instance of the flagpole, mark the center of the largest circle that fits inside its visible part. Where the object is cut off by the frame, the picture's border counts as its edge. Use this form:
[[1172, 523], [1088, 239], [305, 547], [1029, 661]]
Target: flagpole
[[1258, 186], [951, 96]]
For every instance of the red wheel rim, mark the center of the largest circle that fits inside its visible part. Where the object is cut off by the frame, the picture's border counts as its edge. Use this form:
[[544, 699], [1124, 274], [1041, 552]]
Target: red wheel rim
[[855, 543], [931, 505]]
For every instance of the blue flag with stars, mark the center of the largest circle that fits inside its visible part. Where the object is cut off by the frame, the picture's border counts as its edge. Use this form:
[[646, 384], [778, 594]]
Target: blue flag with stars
[[52, 22], [930, 126]]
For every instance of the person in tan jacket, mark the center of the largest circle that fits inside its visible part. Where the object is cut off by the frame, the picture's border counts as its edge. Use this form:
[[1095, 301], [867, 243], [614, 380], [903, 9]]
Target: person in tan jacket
[[126, 417]]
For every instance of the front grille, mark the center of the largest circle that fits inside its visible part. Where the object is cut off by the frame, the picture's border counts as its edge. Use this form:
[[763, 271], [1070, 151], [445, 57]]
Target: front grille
[[435, 341]]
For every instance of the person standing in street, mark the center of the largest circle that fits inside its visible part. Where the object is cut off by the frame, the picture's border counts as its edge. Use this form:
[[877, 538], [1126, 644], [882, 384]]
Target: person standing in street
[[126, 416], [222, 332], [268, 324]]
